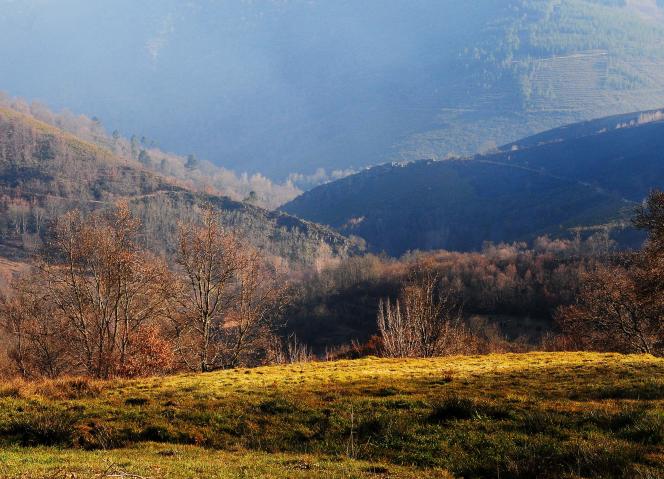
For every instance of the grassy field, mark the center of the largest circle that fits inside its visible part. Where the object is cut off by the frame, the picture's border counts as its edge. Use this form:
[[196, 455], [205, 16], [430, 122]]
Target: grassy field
[[530, 415]]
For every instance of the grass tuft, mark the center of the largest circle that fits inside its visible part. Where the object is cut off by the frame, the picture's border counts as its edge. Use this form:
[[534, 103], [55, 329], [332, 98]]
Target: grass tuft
[[41, 428]]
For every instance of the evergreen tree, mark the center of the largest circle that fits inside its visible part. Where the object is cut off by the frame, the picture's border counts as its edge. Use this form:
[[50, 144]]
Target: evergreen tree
[[144, 158], [192, 162]]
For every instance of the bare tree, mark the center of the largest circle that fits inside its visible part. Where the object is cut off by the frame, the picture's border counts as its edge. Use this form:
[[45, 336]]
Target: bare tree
[[425, 322], [99, 290], [397, 334], [259, 302], [229, 299], [610, 314], [620, 305], [38, 346]]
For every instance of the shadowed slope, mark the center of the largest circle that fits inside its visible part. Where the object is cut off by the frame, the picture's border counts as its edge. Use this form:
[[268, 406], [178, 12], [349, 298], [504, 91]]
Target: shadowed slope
[[582, 175]]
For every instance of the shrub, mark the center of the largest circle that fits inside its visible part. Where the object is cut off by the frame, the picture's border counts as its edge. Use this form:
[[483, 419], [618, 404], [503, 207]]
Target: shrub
[[98, 435], [68, 388]]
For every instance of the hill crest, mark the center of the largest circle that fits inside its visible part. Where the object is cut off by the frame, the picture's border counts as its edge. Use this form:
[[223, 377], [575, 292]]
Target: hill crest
[[583, 175]]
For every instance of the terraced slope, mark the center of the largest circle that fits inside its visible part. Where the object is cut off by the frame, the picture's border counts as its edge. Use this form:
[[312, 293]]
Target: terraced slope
[[282, 87], [590, 415]]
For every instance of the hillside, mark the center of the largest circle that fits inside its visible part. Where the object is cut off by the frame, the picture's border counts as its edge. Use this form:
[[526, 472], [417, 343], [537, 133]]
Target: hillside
[[588, 414], [45, 171], [282, 87], [587, 174]]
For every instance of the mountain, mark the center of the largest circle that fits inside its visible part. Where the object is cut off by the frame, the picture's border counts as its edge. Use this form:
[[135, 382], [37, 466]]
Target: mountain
[[588, 174], [291, 86], [45, 171]]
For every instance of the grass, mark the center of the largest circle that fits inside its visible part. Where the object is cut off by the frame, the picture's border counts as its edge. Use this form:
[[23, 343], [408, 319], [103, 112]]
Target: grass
[[176, 461], [515, 415]]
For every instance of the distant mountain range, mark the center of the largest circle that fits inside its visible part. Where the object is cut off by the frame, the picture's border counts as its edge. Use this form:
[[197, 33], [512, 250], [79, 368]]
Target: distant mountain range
[[586, 175], [290, 86], [45, 171]]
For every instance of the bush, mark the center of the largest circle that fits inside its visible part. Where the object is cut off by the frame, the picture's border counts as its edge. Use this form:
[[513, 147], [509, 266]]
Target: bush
[[97, 435]]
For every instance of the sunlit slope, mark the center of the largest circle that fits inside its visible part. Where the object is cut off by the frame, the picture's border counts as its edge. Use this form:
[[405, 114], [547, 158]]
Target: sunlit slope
[[45, 172], [590, 415]]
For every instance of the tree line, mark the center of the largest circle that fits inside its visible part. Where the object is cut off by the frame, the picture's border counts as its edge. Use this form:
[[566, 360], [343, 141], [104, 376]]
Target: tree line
[[516, 283], [98, 304], [618, 305]]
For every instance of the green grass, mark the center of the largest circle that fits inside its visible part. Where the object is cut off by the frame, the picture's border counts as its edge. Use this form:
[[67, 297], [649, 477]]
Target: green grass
[[530, 415], [177, 461]]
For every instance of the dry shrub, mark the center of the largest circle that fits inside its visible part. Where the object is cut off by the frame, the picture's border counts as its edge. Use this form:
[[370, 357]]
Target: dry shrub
[[152, 355], [425, 321], [288, 351], [11, 389], [66, 388]]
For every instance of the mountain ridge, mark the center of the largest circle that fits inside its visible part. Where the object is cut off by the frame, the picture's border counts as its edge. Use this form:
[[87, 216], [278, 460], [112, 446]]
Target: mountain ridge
[[578, 176]]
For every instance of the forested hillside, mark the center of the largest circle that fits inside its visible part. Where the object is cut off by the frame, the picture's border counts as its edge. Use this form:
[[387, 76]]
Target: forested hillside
[[45, 172], [188, 170], [585, 175]]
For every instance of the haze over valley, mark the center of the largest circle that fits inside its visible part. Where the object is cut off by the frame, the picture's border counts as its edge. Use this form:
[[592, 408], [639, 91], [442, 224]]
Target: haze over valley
[[290, 87]]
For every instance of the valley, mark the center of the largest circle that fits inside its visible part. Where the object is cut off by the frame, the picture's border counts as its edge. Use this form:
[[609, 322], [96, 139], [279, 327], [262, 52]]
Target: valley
[[332, 239]]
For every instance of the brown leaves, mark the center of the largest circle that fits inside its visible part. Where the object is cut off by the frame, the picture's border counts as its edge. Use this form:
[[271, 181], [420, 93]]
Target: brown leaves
[[91, 297]]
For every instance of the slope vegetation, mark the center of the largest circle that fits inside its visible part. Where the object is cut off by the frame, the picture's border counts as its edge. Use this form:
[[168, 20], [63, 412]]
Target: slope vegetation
[[587, 174], [589, 415], [45, 171]]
